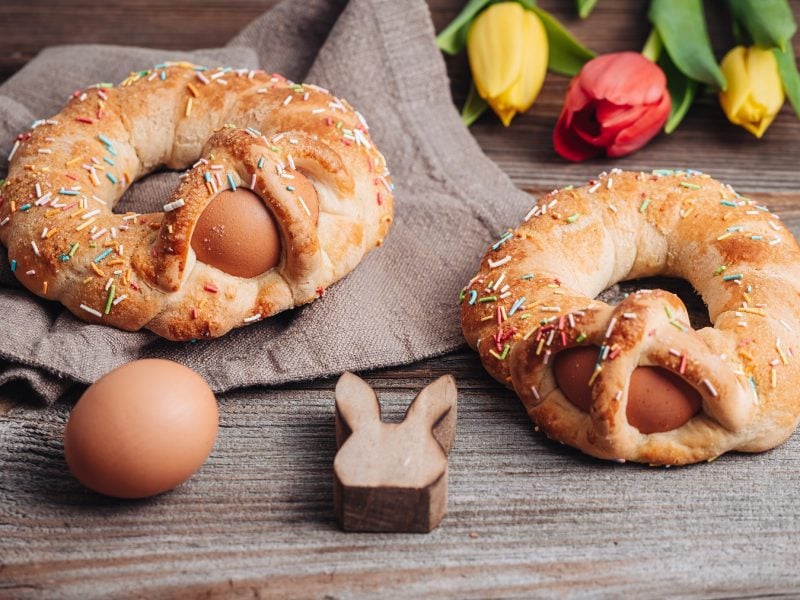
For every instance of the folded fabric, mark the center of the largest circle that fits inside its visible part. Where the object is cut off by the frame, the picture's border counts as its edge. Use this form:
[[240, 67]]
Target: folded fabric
[[397, 307]]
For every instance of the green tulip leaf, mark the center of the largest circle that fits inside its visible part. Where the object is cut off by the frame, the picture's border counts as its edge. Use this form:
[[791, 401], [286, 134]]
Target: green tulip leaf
[[769, 22], [585, 7], [566, 55], [682, 91], [740, 36], [787, 67], [453, 38], [682, 27], [653, 46], [473, 107]]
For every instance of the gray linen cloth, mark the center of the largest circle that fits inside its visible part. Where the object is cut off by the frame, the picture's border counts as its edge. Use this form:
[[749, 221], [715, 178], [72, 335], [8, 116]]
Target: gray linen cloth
[[397, 307]]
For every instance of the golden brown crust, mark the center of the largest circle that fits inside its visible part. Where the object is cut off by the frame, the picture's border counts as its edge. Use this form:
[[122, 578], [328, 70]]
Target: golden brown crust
[[577, 242], [248, 129]]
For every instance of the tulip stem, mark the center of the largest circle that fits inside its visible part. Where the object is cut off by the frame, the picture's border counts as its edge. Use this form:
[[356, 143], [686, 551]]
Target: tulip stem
[[652, 46]]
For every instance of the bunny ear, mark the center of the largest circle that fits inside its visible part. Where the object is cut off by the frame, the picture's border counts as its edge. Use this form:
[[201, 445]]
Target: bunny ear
[[435, 408], [356, 406]]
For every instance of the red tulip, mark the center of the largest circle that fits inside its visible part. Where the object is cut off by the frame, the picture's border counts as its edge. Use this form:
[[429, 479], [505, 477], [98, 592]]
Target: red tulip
[[617, 103]]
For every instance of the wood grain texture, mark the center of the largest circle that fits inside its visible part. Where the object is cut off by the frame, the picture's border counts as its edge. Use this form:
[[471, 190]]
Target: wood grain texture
[[32, 25], [526, 517]]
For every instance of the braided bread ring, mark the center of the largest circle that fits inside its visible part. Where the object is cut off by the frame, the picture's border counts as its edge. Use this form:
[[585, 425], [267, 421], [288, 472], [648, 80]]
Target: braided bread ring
[[261, 132], [533, 298]]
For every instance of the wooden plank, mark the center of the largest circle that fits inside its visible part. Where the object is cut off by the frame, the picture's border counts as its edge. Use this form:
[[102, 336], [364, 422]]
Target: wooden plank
[[176, 25]]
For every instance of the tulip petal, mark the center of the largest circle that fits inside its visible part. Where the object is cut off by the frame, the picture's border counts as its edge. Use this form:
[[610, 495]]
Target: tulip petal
[[623, 78], [575, 101], [600, 124], [734, 68], [615, 116], [642, 130], [586, 126], [766, 84], [569, 145], [759, 126], [494, 48], [533, 66], [504, 111]]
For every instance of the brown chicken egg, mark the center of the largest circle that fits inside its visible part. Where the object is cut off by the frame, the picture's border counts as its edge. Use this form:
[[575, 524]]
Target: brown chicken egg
[[141, 429], [573, 368], [237, 234], [658, 400]]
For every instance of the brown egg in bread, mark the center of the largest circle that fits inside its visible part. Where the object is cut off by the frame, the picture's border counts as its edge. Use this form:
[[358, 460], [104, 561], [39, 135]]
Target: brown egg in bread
[[307, 157]]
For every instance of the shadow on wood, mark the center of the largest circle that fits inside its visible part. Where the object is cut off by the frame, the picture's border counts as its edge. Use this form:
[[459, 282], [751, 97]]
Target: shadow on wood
[[392, 477]]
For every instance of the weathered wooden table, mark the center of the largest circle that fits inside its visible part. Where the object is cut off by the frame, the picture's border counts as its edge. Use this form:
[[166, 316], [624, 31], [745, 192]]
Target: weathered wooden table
[[527, 517]]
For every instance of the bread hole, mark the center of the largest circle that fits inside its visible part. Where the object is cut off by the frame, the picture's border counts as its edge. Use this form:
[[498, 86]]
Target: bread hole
[[697, 309], [150, 193]]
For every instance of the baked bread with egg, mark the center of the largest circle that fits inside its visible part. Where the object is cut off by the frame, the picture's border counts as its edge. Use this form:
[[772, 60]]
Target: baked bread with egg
[[635, 381], [285, 193]]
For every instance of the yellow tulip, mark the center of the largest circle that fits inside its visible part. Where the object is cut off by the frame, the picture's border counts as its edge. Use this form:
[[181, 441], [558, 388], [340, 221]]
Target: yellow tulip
[[507, 49], [755, 91]]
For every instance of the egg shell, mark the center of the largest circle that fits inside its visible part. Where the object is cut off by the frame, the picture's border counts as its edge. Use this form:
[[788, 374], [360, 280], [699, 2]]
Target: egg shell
[[573, 368], [658, 399], [141, 429], [237, 234]]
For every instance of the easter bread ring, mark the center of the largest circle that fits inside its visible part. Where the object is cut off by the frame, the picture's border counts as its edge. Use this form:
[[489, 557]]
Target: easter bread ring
[[531, 312], [295, 160]]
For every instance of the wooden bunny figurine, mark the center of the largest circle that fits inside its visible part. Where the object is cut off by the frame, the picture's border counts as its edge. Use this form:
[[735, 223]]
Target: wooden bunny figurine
[[392, 476]]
